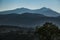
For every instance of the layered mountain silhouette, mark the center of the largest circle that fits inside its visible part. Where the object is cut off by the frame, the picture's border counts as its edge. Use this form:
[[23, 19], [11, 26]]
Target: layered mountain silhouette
[[47, 12], [27, 19], [44, 11], [24, 17]]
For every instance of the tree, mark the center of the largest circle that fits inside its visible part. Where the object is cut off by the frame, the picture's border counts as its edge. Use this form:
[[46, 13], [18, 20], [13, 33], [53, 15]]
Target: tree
[[47, 31]]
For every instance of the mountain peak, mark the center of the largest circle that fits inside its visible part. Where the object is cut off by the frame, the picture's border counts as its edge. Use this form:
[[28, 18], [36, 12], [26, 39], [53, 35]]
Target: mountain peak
[[22, 8], [47, 12], [45, 8]]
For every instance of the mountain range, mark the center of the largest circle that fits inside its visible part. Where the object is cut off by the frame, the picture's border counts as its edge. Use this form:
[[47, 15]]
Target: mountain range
[[44, 11], [24, 17]]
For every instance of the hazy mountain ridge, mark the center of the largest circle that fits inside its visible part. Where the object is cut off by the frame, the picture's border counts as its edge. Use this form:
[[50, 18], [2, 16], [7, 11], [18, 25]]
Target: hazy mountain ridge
[[47, 12], [44, 11], [29, 18]]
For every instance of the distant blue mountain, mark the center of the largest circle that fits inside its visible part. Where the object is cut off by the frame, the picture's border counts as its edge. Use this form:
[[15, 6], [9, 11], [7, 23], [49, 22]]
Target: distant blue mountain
[[44, 11], [24, 17], [18, 11], [47, 12]]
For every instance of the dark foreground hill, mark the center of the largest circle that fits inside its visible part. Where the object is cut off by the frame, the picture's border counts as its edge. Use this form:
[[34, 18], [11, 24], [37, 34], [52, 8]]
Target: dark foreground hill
[[8, 32], [27, 19], [48, 31]]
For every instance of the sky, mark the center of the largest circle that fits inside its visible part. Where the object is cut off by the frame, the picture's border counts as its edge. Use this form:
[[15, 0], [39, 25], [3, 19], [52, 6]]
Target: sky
[[31, 4]]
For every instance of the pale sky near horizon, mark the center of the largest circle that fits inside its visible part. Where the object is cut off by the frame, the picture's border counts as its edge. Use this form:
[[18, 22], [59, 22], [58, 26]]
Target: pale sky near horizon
[[31, 4]]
